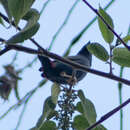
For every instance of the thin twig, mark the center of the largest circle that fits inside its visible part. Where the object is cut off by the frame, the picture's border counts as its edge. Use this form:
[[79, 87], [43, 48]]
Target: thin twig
[[120, 97], [110, 63], [64, 23], [109, 27], [109, 114], [27, 65], [14, 58], [120, 85], [21, 116], [44, 6], [78, 37]]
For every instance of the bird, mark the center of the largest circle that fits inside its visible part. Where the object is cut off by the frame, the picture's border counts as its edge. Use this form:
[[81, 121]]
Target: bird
[[61, 73]]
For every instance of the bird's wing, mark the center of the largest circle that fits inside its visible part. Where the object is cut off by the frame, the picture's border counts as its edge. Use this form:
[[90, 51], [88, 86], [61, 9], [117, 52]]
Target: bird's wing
[[78, 59]]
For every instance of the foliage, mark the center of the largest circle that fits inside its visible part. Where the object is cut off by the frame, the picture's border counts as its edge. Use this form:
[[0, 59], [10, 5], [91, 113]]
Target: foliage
[[61, 107]]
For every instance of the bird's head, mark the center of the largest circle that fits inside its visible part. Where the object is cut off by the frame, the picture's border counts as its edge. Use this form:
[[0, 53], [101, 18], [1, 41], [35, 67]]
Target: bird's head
[[84, 51]]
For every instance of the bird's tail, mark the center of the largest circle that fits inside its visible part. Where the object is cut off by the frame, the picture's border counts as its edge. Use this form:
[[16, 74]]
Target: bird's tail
[[44, 60], [84, 51]]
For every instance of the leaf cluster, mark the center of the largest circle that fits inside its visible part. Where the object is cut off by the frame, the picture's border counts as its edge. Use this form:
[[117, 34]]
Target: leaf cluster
[[120, 56], [21, 10]]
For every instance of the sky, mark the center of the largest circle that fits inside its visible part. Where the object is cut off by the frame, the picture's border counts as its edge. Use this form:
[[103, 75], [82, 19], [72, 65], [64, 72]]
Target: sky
[[101, 91]]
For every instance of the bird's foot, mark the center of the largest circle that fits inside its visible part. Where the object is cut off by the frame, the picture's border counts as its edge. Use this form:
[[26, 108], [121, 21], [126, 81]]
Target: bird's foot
[[43, 75], [42, 70], [72, 80]]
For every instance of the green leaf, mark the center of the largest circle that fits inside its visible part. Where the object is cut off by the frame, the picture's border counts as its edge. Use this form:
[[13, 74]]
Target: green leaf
[[48, 125], [18, 8], [24, 34], [1, 21], [5, 5], [80, 122], [52, 114], [79, 107], [99, 51], [81, 95], [55, 90], [121, 56], [48, 107], [125, 39], [48, 104], [88, 108], [32, 16], [29, 30], [100, 127], [106, 33]]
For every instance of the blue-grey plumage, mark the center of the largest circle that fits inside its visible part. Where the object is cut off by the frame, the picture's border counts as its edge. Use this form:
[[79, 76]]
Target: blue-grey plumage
[[61, 73]]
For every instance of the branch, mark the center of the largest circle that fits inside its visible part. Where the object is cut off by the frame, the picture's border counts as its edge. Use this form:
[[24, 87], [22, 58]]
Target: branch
[[69, 62], [109, 27], [106, 116], [4, 51]]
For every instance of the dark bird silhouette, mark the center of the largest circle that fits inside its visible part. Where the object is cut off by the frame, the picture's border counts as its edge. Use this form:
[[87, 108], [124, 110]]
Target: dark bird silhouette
[[61, 73]]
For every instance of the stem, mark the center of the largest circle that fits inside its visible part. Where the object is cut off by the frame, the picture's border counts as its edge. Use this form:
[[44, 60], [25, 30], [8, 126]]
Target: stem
[[120, 85], [44, 6], [120, 97], [14, 58], [110, 58], [109, 27], [64, 23], [27, 65], [109, 114], [121, 111], [21, 116]]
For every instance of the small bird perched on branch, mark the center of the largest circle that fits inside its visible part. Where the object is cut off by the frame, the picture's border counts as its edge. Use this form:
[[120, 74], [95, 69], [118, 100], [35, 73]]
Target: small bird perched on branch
[[61, 73]]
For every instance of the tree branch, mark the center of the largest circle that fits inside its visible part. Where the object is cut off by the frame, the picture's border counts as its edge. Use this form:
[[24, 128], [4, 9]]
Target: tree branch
[[106, 116], [69, 62], [4, 51], [109, 27]]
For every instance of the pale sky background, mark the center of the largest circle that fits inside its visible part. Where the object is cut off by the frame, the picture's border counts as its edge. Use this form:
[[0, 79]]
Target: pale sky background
[[101, 91]]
